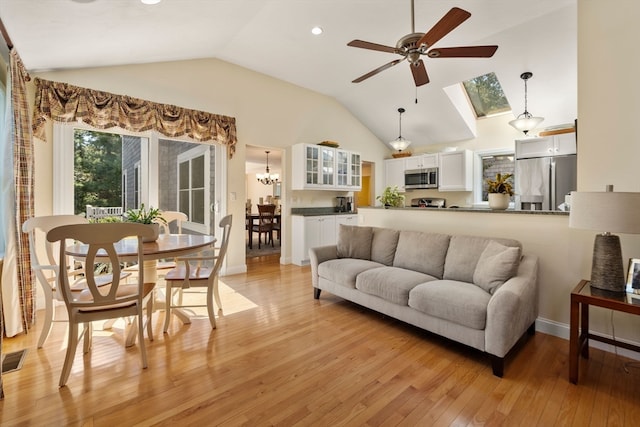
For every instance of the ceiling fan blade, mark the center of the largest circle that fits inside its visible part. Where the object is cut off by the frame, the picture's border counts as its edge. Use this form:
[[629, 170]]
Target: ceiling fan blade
[[420, 76], [444, 26], [377, 70], [371, 46], [463, 52]]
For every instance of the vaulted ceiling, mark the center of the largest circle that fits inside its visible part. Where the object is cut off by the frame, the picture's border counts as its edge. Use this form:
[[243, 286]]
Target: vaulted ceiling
[[273, 37]]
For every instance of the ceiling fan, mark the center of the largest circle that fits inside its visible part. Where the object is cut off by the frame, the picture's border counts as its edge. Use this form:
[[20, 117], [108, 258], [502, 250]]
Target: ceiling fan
[[414, 45]]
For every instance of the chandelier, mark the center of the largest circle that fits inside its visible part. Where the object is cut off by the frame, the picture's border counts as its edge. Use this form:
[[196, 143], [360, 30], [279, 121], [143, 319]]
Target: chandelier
[[400, 143], [525, 121], [268, 178]]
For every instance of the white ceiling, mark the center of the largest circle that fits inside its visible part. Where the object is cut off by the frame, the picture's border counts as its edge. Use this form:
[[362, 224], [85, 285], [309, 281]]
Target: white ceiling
[[273, 37]]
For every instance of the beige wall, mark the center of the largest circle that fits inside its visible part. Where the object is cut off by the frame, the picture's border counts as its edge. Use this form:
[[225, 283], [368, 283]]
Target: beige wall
[[268, 112]]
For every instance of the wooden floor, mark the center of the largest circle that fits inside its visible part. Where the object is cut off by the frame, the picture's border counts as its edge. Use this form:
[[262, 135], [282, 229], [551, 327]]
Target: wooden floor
[[279, 357]]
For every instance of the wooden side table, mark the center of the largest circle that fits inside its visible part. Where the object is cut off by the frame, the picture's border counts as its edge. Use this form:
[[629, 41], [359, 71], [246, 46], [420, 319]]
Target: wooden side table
[[582, 297]]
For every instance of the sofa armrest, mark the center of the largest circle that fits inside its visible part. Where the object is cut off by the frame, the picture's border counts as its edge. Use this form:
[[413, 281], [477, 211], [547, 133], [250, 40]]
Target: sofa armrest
[[512, 309], [319, 255]]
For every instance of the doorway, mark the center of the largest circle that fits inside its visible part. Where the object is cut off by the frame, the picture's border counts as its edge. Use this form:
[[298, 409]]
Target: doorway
[[366, 197], [264, 191]]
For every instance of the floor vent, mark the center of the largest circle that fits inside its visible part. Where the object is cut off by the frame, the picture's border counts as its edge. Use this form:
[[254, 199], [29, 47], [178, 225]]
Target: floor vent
[[13, 361]]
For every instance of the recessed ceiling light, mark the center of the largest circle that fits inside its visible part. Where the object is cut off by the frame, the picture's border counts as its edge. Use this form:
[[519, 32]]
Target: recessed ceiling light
[[316, 31], [150, 1]]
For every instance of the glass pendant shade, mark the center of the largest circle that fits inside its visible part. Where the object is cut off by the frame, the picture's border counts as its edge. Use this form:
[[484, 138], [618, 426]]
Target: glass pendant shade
[[526, 121], [400, 143]]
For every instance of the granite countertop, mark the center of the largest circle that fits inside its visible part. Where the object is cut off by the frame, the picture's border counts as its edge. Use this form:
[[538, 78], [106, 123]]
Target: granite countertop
[[318, 212], [331, 211], [481, 210]]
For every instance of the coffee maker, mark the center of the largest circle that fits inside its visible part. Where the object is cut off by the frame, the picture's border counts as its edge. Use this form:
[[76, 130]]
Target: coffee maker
[[344, 204]]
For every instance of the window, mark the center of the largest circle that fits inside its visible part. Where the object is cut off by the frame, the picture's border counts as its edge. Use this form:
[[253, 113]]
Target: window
[[488, 164], [148, 173], [193, 180], [486, 96]]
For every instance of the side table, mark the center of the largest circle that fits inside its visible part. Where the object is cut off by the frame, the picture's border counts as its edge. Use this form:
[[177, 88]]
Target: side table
[[582, 297]]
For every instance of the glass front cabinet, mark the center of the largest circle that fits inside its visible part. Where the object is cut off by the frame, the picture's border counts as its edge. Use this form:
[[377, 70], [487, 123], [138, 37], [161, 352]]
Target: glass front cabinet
[[325, 168]]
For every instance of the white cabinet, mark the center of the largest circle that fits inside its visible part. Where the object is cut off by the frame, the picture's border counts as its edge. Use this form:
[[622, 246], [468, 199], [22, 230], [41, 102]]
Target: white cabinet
[[316, 167], [554, 145], [422, 161], [394, 173], [348, 170], [310, 232], [456, 171]]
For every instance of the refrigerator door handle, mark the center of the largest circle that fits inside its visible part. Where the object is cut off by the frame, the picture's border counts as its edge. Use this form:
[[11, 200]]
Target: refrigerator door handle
[[553, 185]]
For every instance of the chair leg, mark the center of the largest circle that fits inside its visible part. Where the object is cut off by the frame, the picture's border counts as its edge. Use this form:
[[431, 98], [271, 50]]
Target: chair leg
[[151, 297], [168, 291], [143, 350], [71, 352], [48, 320], [210, 309], [88, 334], [216, 294]]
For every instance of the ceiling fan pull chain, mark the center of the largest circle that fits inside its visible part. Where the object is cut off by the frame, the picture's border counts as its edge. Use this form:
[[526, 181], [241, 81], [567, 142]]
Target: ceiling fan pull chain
[[416, 94]]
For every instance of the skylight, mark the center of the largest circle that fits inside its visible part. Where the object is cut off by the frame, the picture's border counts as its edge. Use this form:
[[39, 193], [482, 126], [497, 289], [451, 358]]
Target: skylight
[[486, 96]]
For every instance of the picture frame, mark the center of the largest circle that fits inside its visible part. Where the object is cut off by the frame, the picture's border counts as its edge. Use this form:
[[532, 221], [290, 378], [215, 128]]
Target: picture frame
[[633, 276]]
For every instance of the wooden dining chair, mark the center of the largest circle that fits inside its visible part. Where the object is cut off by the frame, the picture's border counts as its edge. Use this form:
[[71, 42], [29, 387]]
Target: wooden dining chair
[[46, 267], [115, 300], [194, 272], [265, 224]]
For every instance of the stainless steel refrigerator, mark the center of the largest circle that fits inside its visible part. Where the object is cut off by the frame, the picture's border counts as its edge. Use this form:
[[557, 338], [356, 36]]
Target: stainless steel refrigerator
[[542, 183]]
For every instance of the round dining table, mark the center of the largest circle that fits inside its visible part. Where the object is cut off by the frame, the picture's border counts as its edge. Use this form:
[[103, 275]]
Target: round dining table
[[166, 246]]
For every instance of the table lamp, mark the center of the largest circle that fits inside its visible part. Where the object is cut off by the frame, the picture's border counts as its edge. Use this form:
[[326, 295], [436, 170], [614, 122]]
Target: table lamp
[[607, 212]]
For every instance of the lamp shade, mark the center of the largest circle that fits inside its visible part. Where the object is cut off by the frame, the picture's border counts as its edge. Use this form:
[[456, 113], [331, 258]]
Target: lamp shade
[[400, 143], [525, 124], [613, 212]]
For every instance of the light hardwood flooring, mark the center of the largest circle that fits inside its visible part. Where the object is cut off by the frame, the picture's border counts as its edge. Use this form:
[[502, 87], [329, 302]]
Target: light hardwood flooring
[[279, 357]]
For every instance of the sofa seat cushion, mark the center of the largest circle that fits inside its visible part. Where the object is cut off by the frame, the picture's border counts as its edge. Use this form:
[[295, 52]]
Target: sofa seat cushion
[[390, 283], [344, 271], [458, 302]]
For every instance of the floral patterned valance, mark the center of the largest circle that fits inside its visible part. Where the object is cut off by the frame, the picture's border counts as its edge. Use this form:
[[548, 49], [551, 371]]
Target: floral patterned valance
[[67, 103]]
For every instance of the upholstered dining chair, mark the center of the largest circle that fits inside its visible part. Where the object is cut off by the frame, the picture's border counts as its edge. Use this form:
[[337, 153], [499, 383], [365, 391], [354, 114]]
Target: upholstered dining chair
[[46, 267], [265, 225], [115, 300], [194, 272]]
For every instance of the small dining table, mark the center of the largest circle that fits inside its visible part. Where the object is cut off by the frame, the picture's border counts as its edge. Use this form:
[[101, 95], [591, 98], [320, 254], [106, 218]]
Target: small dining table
[[166, 246]]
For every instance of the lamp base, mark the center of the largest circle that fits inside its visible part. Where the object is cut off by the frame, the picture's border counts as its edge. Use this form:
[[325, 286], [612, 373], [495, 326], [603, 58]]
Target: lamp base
[[607, 271]]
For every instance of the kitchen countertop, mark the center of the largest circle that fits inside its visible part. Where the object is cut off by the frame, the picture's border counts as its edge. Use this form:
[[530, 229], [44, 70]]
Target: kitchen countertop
[[480, 210], [331, 211]]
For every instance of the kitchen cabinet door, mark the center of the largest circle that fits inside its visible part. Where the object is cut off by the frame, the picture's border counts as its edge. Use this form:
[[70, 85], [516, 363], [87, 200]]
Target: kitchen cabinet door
[[355, 175], [313, 167], [565, 143], [310, 232], [394, 173], [456, 171]]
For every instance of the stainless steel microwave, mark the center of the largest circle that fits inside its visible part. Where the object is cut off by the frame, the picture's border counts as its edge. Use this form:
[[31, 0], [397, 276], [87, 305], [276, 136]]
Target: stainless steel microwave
[[415, 179]]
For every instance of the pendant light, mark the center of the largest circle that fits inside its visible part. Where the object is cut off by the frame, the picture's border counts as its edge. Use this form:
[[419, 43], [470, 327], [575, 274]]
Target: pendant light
[[400, 143], [268, 178], [525, 121]]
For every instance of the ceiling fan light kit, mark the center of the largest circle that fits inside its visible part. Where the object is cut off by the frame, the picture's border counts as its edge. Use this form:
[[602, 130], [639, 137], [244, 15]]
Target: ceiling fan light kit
[[526, 121], [412, 46]]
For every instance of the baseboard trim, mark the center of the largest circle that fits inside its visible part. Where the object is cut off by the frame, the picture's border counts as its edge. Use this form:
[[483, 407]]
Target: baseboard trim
[[561, 330]]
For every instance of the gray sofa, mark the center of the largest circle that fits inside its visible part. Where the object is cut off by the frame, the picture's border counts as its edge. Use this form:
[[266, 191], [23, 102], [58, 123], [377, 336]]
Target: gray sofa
[[479, 291]]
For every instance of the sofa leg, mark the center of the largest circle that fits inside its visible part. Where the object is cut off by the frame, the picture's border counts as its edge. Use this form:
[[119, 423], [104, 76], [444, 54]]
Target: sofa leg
[[532, 329], [316, 293], [497, 363]]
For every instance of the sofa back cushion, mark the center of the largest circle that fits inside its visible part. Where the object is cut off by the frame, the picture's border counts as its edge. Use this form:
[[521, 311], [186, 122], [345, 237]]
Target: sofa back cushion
[[354, 242], [384, 244], [464, 253], [423, 252]]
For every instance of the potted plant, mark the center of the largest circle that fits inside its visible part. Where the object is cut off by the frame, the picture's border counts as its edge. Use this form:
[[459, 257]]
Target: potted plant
[[500, 191], [151, 216], [391, 197]]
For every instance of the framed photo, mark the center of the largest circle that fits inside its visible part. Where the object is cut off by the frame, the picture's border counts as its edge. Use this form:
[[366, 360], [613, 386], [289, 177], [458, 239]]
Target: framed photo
[[633, 276]]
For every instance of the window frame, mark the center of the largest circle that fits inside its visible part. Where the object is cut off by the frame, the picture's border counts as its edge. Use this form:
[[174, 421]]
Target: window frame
[[478, 177], [188, 156]]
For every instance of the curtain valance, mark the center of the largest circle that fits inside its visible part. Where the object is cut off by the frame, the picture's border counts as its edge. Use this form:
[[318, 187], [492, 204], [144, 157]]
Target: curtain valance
[[67, 103]]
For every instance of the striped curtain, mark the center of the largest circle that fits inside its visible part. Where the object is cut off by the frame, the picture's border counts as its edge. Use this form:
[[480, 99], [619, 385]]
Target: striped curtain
[[23, 165]]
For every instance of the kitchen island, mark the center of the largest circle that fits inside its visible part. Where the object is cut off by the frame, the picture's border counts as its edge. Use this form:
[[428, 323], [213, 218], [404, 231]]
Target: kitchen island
[[478, 210]]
